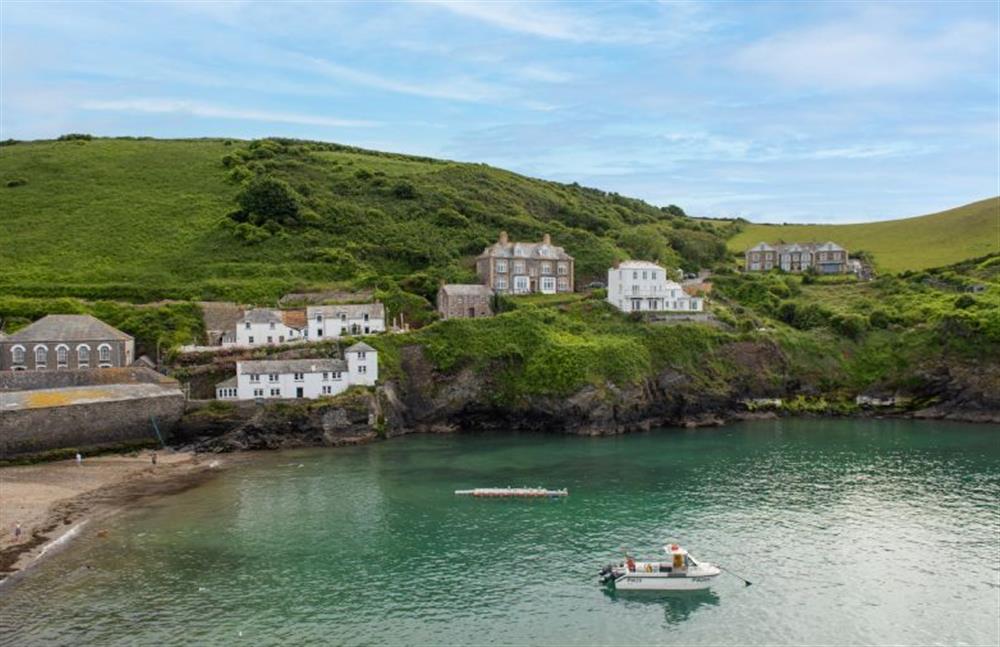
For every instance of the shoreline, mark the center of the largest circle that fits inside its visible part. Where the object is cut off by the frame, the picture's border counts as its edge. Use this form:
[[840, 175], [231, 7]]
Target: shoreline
[[55, 502]]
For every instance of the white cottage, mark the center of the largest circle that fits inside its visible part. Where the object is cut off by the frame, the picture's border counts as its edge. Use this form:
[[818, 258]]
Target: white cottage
[[266, 326], [641, 286], [301, 378], [348, 319]]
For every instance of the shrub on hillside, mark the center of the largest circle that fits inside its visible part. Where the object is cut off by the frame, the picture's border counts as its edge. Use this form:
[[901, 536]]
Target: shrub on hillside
[[269, 199], [404, 190], [697, 248], [849, 325], [68, 137], [18, 181]]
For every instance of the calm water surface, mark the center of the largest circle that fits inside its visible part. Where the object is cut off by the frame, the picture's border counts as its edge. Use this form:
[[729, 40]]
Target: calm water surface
[[852, 532]]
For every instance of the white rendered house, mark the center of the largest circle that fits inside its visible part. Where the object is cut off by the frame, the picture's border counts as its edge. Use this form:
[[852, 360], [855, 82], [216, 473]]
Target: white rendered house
[[342, 320], [264, 326], [641, 286], [301, 378]]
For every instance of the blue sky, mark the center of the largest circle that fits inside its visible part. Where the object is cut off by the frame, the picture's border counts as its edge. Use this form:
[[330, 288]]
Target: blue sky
[[786, 111]]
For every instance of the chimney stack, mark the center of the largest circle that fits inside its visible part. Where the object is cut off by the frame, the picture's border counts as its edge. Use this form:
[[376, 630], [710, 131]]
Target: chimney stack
[[546, 239], [503, 237]]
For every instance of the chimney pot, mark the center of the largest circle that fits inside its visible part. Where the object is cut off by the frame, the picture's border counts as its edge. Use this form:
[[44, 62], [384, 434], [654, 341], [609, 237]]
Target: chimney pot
[[546, 239], [503, 237]]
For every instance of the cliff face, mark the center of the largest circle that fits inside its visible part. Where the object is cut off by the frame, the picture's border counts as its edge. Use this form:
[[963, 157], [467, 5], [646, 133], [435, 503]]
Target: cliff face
[[426, 400]]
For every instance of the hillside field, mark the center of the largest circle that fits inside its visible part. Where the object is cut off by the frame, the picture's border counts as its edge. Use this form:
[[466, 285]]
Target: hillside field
[[916, 243]]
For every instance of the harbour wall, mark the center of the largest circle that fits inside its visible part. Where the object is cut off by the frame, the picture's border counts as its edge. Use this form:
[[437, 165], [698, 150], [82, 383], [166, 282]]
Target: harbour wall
[[117, 411]]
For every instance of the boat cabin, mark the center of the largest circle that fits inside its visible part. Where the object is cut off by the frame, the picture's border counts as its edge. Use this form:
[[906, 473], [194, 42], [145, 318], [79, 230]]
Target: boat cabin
[[677, 564]]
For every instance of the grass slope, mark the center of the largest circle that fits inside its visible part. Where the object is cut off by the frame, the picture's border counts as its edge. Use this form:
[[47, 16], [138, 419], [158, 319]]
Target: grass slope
[[149, 219], [917, 243]]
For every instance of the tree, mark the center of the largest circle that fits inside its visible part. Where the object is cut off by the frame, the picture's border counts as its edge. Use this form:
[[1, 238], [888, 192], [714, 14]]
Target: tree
[[269, 199], [674, 210]]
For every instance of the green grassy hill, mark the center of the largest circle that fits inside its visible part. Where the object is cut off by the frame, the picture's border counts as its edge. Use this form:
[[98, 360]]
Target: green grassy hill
[[917, 243], [143, 220]]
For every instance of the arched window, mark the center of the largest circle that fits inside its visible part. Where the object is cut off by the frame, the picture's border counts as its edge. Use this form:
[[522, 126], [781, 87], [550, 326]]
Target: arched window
[[104, 353], [18, 354], [62, 355], [83, 356], [41, 356]]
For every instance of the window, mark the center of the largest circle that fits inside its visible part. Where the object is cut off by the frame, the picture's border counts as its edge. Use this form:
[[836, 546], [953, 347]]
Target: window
[[247, 325], [104, 353], [41, 354], [270, 339], [521, 284], [501, 266], [18, 353], [501, 282], [299, 377], [271, 325], [275, 393], [327, 390], [635, 275], [254, 377], [343, 316], [366, 316], [548, 284], [326, 376], [343, 330], [561, 268], [361, 355], [694, 304], [83, 356], [272, 377], [362, 369], [319, 318], [635, 289], [367, 330], [336, 375], [319, 332], [518, 267], [546, 268], [652, 275], [251, 340], [563, 283], [62, 356], [258, 393], [645, 275]]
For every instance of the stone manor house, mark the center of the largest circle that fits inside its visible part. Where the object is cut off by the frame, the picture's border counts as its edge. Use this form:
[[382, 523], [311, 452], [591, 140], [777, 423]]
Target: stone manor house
[[827, 258], [522, 268]]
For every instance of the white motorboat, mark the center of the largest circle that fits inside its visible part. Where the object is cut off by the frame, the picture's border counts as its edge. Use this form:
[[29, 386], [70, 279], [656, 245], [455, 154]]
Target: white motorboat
[[679, 571]]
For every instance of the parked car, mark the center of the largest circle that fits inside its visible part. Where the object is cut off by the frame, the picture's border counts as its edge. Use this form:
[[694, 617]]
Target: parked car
[[595, 285]]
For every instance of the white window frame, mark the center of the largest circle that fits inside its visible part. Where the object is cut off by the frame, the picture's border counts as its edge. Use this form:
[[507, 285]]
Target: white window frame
[[522, 285], [18, 351], [548, 284], [62, 356], [104, 355], [83, 360], [272, 377], [518, 267], [561, 268], [502, 267], [45, 358], [501, 282]]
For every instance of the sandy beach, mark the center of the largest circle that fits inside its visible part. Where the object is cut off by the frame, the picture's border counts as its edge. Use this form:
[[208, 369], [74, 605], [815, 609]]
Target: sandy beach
[[49, 499]]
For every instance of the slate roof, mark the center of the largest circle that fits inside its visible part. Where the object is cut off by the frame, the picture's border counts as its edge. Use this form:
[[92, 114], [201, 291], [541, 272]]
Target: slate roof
[[220, 315], [761, 247], [291, 366], [526, 250], [67, 328], [639, 265], [466, 290], [231, 382], [360, 347], [261, 315], [353, 310]]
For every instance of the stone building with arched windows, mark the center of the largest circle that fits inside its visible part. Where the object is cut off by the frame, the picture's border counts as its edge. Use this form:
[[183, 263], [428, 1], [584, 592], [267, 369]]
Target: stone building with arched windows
[[66, 342]]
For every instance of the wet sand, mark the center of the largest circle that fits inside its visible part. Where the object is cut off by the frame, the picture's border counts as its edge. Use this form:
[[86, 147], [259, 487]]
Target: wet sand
[[50, 499]]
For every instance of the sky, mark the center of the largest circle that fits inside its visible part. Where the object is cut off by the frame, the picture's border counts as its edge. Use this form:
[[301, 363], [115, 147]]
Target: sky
[[772, 111]]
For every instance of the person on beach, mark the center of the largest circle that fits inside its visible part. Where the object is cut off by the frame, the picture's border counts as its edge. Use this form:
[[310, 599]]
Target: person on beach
[[153, 458], [79, 459], [17, 532]]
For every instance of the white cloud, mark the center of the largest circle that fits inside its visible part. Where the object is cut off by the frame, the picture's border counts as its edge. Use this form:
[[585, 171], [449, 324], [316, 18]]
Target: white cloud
[[165, 106], [542, 20], [461, 89], [867, 53]]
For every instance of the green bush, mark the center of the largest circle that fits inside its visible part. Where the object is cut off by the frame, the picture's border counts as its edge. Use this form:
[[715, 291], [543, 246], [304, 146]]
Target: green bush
[[269, 199]]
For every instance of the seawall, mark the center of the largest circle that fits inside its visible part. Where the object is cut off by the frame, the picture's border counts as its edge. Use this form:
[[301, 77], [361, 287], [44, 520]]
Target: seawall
[[84, 410]]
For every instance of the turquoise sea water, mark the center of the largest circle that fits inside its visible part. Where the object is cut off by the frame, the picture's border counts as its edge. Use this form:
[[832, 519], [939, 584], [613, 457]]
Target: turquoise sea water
[[851, 531]]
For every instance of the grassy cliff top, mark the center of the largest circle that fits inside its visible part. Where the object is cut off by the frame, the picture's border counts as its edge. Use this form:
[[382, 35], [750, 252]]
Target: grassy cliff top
[[144, 219], [916, 243]]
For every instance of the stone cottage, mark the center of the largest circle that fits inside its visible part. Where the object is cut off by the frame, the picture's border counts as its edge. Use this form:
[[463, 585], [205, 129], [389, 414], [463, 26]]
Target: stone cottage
[[826, 258], [66, 342], [455, 300]]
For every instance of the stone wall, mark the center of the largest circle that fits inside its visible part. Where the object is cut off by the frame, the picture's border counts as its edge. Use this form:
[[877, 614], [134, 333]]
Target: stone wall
[[87, 425], [32, 380]]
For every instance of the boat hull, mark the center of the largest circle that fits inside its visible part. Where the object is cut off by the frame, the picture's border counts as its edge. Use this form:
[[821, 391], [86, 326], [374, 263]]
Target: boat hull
[[641, 582]]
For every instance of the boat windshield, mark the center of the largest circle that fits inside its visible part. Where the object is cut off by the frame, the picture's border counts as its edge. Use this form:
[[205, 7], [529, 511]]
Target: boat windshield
[[690, 560]]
